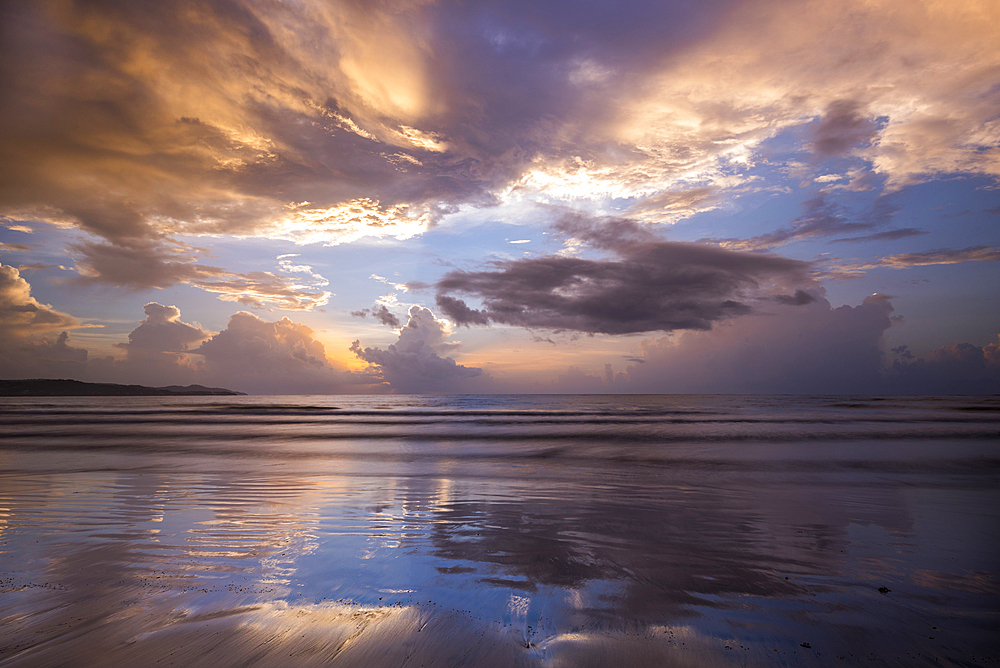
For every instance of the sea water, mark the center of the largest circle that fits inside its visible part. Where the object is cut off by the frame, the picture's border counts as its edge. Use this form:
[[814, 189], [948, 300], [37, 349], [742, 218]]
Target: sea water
[[500, 530]]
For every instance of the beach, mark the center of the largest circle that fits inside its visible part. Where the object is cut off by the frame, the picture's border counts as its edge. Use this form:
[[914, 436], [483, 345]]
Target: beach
[[500, 531]]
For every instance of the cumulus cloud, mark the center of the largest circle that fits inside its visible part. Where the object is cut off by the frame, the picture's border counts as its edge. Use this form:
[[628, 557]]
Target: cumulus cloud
[[43, 358], [652, 284], [161, 342], [796, 348], [811, 349], [413, 363], [956, 369], [791, 347], [21, 315], [157, 353], [255, 355], [250, 354], [25, 325]]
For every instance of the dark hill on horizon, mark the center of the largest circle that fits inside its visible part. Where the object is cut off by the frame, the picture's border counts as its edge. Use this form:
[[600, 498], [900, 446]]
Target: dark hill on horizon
[[44, 387]]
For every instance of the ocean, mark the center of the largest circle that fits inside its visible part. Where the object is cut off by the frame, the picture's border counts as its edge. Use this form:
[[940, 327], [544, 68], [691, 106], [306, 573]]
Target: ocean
[[500, 531]]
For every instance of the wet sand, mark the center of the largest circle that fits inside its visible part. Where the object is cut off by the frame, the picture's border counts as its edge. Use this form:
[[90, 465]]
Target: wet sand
[[153, 534]]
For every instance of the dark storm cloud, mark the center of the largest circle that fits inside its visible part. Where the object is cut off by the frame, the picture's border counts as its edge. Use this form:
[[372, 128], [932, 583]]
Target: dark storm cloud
[[652, 285], [517, 69]]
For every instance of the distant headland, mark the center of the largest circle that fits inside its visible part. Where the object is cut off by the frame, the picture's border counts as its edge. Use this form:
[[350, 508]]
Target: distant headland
[[39, 387]]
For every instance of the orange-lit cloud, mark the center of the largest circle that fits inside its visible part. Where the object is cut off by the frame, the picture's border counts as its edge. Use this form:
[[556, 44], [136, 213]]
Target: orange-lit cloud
[[21, 315], [197, 117]]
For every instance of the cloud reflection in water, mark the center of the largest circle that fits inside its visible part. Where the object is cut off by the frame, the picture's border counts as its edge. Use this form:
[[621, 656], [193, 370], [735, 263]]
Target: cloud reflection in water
[[444, 551]]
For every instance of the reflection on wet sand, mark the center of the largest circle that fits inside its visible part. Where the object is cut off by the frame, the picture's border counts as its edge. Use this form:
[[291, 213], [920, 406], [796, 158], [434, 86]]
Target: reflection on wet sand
[[278, 634], [129, 559]]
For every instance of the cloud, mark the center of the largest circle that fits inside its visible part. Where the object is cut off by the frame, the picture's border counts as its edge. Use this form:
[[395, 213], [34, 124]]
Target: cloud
[[888, 235], [16, 247], [807, 349], [800, 298], [927, 258], [299, 129], [156, 264], [955, 369], [58, 351], [250, 354], [413, 364], [43, 358], [942, 256], [858, 67], [255, 355], [162, 335], [262, 288], [652, 285], [21, 315], [25, 323], [823, 217], [157, 352], [283, 120], [380, 313], [141, 264], [672, 203], [843, 127]]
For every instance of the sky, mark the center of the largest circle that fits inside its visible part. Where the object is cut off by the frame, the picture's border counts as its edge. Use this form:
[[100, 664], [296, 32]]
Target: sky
[[336, 196]]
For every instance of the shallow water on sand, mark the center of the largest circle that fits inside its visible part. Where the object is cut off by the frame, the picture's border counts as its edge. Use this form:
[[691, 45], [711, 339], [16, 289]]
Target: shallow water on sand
[[531, 530]]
